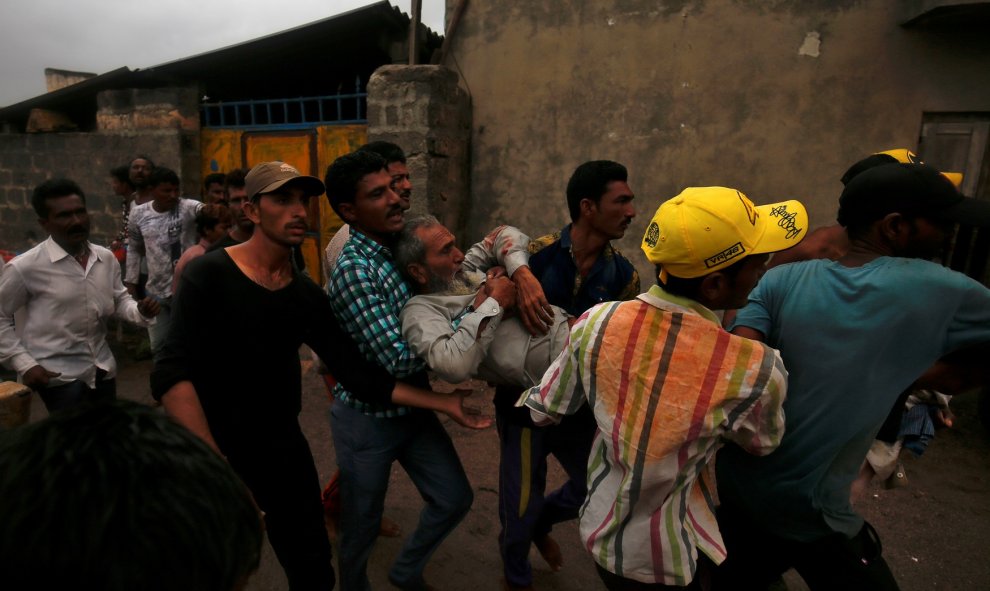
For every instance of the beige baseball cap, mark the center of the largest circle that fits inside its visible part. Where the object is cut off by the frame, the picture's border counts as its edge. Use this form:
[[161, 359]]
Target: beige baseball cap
[[269, 176]]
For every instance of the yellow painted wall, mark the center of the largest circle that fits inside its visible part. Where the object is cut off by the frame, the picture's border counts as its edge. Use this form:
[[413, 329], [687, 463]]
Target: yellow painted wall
[[332, 142], [222, 151]]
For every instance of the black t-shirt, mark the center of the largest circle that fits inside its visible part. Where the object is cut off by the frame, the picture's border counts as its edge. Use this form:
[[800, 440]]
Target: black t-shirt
[[238, 343]]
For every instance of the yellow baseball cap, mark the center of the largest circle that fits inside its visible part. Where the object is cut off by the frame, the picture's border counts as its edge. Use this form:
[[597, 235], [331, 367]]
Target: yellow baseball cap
[[705, 229], [902, 155]]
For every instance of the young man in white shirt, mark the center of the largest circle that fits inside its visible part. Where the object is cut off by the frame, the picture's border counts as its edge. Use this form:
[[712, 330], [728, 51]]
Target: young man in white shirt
[[159, 231], [70, 287]]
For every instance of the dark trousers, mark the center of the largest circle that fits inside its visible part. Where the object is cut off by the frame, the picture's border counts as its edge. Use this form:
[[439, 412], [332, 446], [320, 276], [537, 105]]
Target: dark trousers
[[367, 447], [64, 396], [700, 582], [524, 512], [277, 466], [757, 558]]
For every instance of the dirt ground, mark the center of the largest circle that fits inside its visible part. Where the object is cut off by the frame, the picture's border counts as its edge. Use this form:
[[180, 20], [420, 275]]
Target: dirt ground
[[934, 530]]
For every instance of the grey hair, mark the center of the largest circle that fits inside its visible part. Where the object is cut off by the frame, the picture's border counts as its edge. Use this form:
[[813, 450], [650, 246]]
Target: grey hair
[[408, 248]]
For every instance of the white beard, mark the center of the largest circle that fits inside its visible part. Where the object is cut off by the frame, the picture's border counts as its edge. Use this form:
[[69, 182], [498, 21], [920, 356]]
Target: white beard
[[463, 283]]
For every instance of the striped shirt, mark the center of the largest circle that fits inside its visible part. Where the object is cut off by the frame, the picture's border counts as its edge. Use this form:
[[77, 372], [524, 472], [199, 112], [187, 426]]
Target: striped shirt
[[668, 387], [367, 293]]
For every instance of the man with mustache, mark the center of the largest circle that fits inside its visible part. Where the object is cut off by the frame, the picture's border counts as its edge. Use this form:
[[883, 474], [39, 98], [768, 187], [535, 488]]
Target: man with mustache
[[573, 269], [371, 433], [70, 287], [461, 321], [139, 170], [395, 160], [245, 400]]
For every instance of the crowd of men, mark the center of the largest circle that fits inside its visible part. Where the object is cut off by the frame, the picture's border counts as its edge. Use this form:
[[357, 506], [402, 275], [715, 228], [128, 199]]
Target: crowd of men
[[677, 435]]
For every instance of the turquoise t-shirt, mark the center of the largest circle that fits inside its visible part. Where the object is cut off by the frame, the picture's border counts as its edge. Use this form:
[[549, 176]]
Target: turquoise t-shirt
[[852, 340]]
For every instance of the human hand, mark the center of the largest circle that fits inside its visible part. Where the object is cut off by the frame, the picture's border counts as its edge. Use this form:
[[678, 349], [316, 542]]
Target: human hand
[[455, 409], [149, 307], [497, 271], [131, 288], [945, 416], [503, 290], [37, 377], [534, 309]]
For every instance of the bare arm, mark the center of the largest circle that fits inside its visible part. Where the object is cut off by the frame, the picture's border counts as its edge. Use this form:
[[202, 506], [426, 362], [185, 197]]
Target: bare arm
[[958, 371], [451, 404], [182, 404], [534, 309], [749, 333]]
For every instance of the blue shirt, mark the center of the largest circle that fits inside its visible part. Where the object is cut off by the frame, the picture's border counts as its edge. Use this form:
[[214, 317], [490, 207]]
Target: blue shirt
[[612, 277], [367, 294], [852, 340]]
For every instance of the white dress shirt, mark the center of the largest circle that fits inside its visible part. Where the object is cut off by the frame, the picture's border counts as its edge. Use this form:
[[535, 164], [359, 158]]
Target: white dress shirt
[[67, 308]]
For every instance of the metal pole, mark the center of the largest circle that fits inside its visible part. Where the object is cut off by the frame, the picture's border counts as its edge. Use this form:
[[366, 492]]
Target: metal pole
[[417, 9]]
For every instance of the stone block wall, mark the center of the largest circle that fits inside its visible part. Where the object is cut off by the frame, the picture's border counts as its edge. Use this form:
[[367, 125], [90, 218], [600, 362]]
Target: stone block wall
[[27, 160], [424, 111], [161, 123]]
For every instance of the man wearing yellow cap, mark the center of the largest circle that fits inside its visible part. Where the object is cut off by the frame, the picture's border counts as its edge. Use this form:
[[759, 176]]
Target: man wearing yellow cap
[[668, 387]]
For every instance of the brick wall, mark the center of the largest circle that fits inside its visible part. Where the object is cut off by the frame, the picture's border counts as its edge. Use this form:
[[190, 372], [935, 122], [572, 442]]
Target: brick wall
[[26, 160]]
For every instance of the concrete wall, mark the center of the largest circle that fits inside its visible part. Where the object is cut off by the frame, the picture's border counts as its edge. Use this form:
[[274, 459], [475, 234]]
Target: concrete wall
[[26, 160], [775, 98], [422, 109], [160, 123]]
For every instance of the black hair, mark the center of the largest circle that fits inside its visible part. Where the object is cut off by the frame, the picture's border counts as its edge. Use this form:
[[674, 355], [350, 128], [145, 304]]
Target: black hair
[[51, 189], [344, 174], [688, 288], [235, 178], [209, 216], [215, 177], [162, 175], [590, 181], [116, 496], [150, 162], [387, 150], [121, 173]]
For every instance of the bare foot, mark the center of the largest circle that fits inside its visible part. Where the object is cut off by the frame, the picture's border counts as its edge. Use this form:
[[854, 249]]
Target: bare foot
[[550, 552], [389, 528]]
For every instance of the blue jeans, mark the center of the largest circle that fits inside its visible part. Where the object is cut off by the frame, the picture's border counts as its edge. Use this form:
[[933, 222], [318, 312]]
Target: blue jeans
[[158, 332], [366, 447]]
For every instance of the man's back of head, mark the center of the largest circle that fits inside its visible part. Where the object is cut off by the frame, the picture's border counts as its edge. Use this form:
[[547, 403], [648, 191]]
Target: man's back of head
[[118, 497]]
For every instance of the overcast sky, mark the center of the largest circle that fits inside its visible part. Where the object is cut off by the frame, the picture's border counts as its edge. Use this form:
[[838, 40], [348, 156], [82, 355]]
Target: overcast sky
[[102, 35]]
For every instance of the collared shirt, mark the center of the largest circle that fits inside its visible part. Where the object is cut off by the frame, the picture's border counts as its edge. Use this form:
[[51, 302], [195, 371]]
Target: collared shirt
[[611, 278], [443, 329], [67, 310], [367, 294], [667, 387], [159, 238]]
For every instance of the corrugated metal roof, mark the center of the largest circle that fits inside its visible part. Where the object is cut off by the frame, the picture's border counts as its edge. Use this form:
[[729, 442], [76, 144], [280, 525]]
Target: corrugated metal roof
[[300, 61]]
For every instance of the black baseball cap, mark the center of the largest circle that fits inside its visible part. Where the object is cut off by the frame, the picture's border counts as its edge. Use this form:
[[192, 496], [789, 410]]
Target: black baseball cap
[[909, 189]]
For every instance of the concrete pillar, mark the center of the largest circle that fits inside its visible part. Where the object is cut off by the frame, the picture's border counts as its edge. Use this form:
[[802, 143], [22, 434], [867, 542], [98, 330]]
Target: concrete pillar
[[422, 109]]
